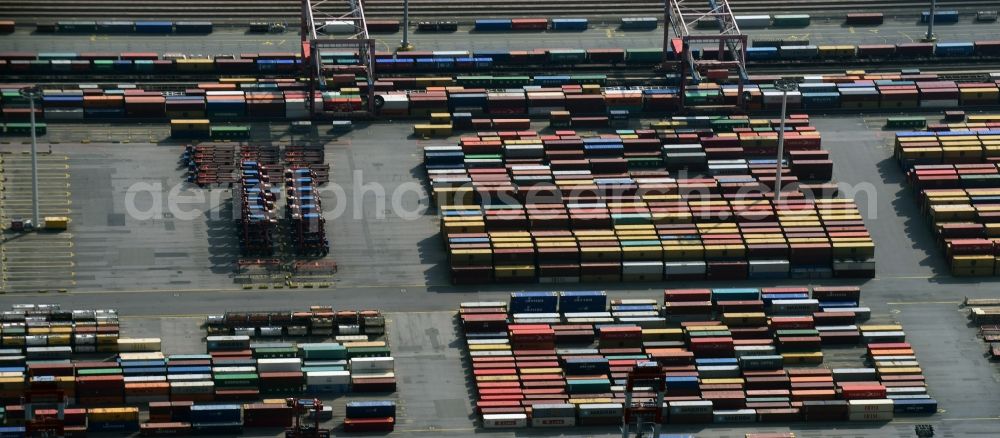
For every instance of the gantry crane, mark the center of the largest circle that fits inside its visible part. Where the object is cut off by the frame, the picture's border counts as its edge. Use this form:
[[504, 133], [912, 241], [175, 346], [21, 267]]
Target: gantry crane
[[647, 377], [316, 15], [681, 29], [301, 429]]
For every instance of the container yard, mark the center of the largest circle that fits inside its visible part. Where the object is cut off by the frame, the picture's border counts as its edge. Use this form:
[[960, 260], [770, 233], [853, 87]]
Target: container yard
[[499, 218]]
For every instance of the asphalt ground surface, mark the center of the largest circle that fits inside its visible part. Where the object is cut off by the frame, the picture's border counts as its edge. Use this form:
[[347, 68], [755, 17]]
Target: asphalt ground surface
[[237, 40], [165, 273]]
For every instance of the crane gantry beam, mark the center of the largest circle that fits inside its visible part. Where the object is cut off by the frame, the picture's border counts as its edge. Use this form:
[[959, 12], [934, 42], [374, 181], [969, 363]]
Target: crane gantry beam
[[316, 14], [682, 28]]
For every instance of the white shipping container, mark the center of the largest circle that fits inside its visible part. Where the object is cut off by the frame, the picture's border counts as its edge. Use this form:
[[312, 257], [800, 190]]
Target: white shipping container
[[590, 410], [642, 268], [339, 27], [690, 407], [752, 21], [189, 377], [873, 405], [279, 365], [328, 378], [351, 338], [684, 268], [192, 387], [372, 364], [735, 416], [505, 421], [645, 322], [349, 329], [145, 379], [906, 390]]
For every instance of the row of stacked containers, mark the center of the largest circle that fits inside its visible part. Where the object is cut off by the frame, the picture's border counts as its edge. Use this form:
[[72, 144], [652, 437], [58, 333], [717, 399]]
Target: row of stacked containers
[[463, 60], [744, 355], [519, 206], [953, 171], [177, 388], [985, 313], [286, 99]]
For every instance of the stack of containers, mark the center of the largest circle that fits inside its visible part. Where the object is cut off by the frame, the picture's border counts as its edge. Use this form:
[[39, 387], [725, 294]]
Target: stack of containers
[[225, 105], [634, 238], [373, 374], [370, 416], [727, 354], [304, 212], [63, 104], [954, 170], [257, 211]]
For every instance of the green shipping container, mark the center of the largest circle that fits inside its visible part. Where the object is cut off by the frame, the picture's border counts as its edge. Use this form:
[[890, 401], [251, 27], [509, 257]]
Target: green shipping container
[[25, 129], [241, 380], [588, 79], [474, 81], [797, 332], [323, 351], [906, 122], [588, 386], [643, 56], [710, 334], [99, 372], [511, 81], [572, 56], [229, 131]]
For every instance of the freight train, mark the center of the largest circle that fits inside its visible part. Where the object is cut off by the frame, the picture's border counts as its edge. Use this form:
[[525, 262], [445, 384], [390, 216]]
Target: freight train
[[95, 63]]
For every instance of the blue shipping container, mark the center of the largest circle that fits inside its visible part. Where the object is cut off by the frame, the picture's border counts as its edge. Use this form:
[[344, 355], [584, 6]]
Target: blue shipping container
[[12, 432], [492, 25], [940, 17], [587, 366], [954, 49], [569, 24], [915, 406], [583, 301], [762, 53], [534, 302], [371, 409], [154, 26], [682, 382]]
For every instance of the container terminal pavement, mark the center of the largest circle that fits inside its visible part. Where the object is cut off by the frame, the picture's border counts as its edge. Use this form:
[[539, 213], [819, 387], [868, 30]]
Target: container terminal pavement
[[839, 312]]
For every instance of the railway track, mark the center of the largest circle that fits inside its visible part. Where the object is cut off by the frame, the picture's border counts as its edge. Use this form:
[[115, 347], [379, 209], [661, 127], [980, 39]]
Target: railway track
[[243, 11]]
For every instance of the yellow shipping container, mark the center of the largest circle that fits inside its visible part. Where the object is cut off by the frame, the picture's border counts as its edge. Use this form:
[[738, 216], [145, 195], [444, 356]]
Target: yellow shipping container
[[512, 378], [589, 401], [662, 334], [881, 328], [728, 381], [113, 414], [802, 358]]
